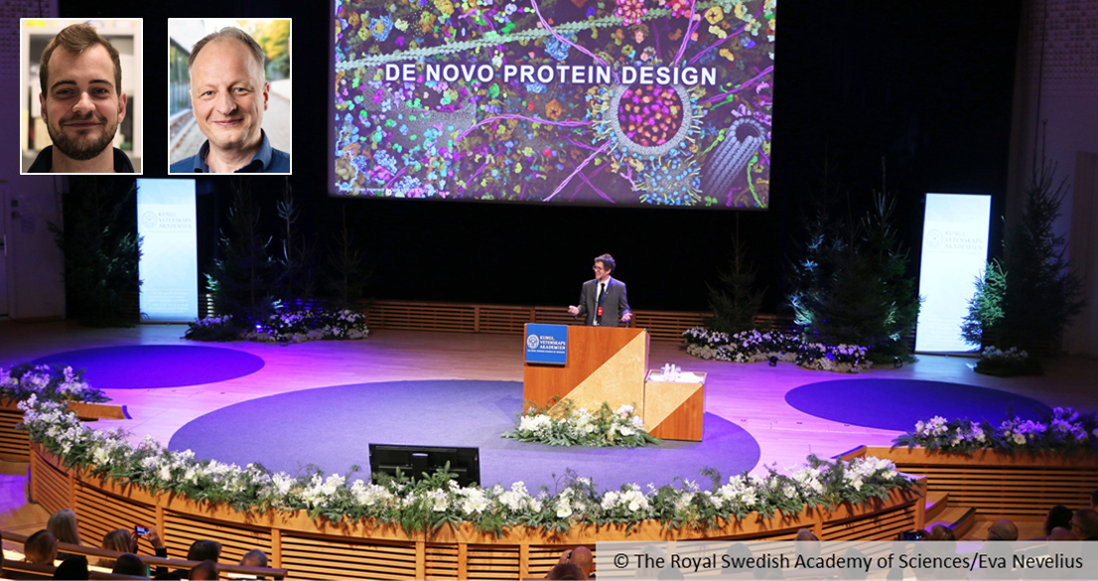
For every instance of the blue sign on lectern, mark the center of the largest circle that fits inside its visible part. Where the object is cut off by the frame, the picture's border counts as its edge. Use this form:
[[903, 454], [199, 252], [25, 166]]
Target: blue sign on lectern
[[546, 344]]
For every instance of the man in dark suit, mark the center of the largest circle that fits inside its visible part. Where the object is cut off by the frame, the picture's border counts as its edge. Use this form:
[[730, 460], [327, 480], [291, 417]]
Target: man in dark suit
[[603, 300]]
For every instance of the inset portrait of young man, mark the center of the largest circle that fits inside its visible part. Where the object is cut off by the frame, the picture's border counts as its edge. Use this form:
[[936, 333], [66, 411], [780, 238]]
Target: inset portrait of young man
[[81, 105]]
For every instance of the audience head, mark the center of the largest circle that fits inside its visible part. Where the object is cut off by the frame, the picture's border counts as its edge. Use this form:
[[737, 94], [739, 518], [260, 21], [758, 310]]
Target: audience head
[[120, 540], [1002, 530], [204, 550], [941, 533], [1058, 516], [1085, 524], [204, 571], [130, 564], [565, 571], [73, 569], [807, 543], [1062, 534], [63, 526], [805, 535], [853, 572], [582, 558], [41, 547], [254, 558]]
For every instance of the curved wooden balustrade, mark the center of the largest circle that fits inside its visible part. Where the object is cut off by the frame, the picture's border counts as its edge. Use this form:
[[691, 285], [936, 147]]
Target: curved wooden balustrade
[[320, 549], [14, 445], [998, 483]]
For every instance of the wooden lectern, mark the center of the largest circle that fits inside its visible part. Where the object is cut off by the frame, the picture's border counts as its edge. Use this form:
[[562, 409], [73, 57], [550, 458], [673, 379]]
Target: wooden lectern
[[610, 364], [604, 364]]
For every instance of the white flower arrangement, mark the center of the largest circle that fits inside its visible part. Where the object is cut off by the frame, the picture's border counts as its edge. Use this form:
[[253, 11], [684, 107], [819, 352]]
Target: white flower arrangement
[[52, 382], [569, 426], [1064, 431], [431, 500], [284, 326], [754, 346], [1008, 363]]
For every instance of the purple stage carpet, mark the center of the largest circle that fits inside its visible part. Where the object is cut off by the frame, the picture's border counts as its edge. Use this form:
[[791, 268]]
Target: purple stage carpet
[[896, 404], [331, 427], [151, 366]]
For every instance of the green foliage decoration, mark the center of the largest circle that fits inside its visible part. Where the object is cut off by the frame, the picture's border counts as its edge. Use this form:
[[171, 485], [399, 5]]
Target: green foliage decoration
[[1033, 286], [101, 247], [736, 302], [427, 503]]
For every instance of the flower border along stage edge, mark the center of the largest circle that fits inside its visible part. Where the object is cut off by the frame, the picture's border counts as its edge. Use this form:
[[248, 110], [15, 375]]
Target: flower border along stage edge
[[428, 504], [900, 509], [753, 346]]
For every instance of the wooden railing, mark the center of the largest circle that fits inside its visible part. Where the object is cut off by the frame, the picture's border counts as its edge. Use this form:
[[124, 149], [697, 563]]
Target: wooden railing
[[504, 319], [94, 553], [998, 483], [14, 445], [320, 549]]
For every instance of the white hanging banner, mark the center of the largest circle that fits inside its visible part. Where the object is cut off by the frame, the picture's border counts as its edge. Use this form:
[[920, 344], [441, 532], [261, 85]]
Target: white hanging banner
[[955, 233], [168, 267]]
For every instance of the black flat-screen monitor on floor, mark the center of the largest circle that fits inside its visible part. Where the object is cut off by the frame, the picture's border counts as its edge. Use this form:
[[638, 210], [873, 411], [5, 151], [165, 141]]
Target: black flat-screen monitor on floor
[[414, 461]]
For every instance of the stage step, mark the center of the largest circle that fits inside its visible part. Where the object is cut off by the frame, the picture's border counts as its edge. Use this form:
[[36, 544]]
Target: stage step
[[960, 519], [936, 502]]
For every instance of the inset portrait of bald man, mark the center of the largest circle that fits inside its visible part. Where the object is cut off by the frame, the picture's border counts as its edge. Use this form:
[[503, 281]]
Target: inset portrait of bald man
[[82, 104], [229, 95]]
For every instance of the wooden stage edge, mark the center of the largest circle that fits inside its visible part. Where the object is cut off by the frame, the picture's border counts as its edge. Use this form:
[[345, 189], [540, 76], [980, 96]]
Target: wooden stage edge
[[318, 548]]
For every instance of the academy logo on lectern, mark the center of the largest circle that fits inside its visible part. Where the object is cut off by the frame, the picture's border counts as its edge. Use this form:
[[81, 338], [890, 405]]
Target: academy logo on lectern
[[532, 341]]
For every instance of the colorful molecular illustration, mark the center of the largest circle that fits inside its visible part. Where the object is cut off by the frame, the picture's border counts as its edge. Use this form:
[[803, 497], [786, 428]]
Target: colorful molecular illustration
[[631, 102]]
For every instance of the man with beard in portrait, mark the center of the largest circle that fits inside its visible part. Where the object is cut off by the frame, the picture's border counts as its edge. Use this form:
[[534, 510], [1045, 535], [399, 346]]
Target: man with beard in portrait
[[82, 104]]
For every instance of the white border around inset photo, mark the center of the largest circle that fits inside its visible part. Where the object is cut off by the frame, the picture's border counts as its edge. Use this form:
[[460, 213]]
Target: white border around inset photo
[[185, 137], [126, 35]]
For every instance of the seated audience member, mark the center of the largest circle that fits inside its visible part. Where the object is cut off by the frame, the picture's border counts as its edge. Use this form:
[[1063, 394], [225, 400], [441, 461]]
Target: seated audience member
[[204, 571], [130, 564], [41, 547], [1085, 524], [1002, 530], [127, 541], [580, 557], [805, 535], [120, 540], [201, 550], [1062, 534], [63, 526], [565, 571], [73, 569], [204, 550], [807, 543], [254, 558], [940, 533], [1058, 516]]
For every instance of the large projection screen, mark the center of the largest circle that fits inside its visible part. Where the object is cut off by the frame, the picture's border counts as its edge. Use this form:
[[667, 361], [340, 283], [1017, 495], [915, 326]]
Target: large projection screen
[[168, 267], [635, 103], [955, 233]]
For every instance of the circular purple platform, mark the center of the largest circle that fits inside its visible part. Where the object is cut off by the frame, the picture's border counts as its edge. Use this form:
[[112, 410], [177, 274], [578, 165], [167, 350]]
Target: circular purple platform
[[896, 404], [331, 427], [152, 366]]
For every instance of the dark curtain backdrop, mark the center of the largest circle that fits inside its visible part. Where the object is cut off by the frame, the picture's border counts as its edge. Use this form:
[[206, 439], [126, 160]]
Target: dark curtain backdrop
[[910, 96]]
